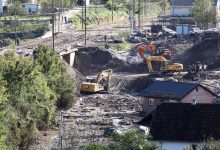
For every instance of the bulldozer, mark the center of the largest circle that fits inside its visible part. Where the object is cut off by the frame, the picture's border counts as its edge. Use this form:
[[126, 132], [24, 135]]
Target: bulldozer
[[98, 84]]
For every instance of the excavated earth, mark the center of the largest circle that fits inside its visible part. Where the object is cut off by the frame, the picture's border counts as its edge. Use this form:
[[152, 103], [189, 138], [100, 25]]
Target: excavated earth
[[205, 52], [91, 60]]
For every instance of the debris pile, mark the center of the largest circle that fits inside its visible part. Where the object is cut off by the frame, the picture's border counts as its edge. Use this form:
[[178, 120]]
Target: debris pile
[[92, 60], [86, 122], [205, 52]]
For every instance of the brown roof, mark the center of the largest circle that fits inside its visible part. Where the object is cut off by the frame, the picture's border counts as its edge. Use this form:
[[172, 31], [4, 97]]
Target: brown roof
[[171, 90], [186, 122]]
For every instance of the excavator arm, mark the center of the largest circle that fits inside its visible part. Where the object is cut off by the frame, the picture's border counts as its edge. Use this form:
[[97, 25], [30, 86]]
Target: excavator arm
[[143, 47], [149, 60], [104, 77]]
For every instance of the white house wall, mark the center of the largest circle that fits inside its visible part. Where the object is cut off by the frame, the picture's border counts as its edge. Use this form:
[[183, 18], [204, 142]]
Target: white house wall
[[175, 145], [33, 7], [181, 11], [218, 14], [1, 7]]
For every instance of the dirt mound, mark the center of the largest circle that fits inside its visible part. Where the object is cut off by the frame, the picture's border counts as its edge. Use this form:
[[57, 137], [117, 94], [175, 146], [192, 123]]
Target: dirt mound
[[75, 75], [138, 84], [92, 60], [205, 52]]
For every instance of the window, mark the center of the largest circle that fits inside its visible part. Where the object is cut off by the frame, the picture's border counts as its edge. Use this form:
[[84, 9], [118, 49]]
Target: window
[[151, 101], [197, 89]]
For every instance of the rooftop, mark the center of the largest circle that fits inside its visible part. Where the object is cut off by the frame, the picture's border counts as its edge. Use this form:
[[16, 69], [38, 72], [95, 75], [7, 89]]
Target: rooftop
[[169, 90], [186, 122]]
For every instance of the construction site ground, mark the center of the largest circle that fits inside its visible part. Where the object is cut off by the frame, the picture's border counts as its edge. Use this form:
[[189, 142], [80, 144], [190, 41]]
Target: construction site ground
[[85, 121]]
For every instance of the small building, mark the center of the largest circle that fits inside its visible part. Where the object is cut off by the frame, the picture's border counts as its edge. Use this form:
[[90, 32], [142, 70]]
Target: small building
[[176, 126], [3, 4], [82, 2], [1, 7], [178, 92], [181, 11], [31, 8]]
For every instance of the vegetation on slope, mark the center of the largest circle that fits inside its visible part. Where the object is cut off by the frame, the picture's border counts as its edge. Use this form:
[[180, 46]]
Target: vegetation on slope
[[29, 96]]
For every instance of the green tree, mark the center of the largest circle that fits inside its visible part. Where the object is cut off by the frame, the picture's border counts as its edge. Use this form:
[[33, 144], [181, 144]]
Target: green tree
[[57, 77], [132, 140], [66, 3], [17, 9], [204, 13], [3, 112], [31, 103]]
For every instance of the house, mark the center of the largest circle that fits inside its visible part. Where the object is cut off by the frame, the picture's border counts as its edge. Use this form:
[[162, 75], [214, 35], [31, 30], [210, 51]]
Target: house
[[81, 2], [3, 3], [178, 92], [1, 7], [176, 126], [181, 11], [31, 8], [183, 8]]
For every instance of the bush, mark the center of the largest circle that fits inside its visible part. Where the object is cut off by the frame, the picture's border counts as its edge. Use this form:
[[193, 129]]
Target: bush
[[17, 9], [57, 77], [131, 140], [30, 104], [120, 46]]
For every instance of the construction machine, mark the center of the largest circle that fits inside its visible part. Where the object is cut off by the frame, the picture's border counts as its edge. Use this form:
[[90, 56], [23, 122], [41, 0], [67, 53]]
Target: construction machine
[[100, 83], [166, 65], [142, 48]]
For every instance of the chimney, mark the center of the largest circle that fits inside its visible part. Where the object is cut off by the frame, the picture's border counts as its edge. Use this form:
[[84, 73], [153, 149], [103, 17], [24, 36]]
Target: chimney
[[194, 101]]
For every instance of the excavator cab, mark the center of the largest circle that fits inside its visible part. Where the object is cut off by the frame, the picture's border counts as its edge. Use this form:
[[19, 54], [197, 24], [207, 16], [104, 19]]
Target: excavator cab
[[100, 83]]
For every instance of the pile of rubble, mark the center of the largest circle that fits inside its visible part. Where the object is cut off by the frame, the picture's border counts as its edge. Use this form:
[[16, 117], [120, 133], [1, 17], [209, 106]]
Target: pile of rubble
[[86, 122], [205, 52]]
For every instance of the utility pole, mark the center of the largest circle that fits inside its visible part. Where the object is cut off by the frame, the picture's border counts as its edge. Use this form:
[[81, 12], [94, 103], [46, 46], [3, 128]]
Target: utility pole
[[112, 10], [15, 23], [82, 17], [59, 16], [203, 14], [164, 7], [85, 23], [139, 14], [134, 22], [144, 2], [53, 24]]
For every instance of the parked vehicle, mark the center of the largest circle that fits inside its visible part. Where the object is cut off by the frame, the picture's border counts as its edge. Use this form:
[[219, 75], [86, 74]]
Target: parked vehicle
[[195, 30], [166, 32], [213, 29]]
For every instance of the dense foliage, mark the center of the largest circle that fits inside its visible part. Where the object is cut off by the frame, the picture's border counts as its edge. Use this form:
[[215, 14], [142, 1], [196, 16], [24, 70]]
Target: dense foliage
[[16, 9], [25, 27], [95, 15], [204, 13], [131, 140], [28, 96]]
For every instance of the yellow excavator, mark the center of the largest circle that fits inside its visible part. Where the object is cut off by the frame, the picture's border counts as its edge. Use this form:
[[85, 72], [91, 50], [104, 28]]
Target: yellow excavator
[[166, 66], [100, 83]]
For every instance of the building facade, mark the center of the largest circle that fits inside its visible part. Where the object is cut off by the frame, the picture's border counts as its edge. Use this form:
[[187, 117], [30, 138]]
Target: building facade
[[174, 92]]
